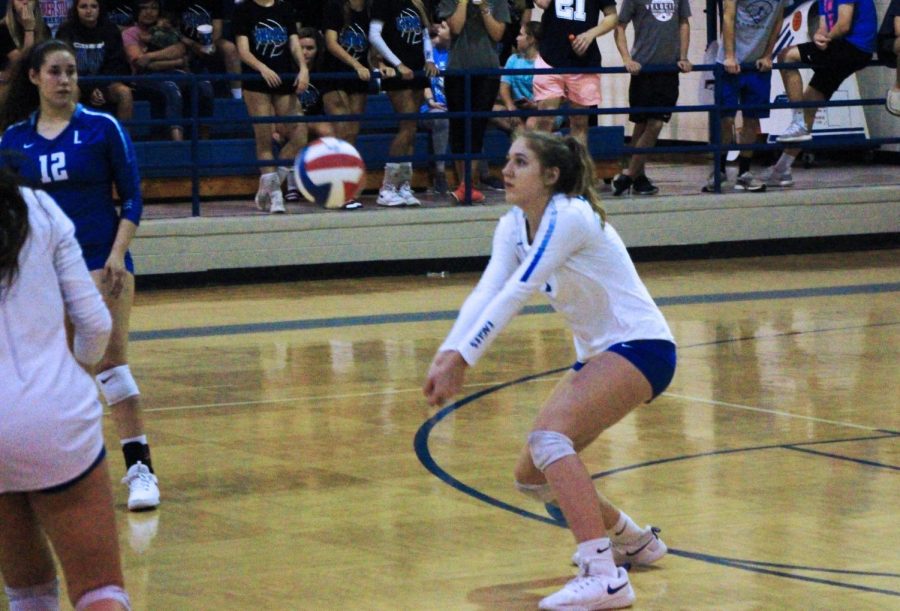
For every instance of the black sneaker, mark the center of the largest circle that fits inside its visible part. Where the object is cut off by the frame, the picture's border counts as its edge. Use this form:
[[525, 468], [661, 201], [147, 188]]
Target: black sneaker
[[440, 184], [493, 183], [643, 186], [292, 194], [621, 183]]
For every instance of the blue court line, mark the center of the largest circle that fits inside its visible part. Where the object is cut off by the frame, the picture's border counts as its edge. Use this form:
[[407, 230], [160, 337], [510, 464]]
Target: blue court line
[[410, 317]]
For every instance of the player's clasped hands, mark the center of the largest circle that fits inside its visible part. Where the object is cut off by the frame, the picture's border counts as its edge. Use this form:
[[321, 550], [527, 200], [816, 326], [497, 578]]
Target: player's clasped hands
[[445, 377]]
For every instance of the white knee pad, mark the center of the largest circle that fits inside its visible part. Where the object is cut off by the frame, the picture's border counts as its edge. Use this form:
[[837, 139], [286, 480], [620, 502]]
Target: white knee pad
[[117, 384], [104, 593], [540, 492], [44, 597], [547, 447]]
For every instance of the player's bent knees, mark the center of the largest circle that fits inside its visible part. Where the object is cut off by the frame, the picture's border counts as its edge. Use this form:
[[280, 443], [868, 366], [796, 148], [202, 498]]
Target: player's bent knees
[[547, 447]]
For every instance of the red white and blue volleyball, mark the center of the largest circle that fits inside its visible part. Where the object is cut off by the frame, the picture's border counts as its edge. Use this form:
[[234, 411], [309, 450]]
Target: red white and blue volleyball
[[329, 171]]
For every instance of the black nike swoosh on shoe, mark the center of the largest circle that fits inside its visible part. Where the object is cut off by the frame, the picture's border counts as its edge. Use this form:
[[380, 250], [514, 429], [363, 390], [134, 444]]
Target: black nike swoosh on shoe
[[611, 590], [638, 550], [600, 551], [106, 380]]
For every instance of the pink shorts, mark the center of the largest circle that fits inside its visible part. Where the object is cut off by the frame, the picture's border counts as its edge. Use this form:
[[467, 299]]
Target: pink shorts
[[582, 89]]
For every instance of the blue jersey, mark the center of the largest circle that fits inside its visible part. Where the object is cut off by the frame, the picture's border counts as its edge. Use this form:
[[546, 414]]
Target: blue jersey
[[79, 168]]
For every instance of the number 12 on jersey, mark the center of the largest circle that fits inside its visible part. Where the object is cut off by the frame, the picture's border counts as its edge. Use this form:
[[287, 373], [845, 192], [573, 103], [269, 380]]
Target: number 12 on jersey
[[54, 168]]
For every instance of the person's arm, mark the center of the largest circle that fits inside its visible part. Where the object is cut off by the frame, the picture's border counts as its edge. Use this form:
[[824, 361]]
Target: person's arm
[[243, 47], [495, 28], [506, 95], [334, 47], [684, 39], [378, 43], [584, 40], [128, 187], [457, 19], [28, 20], [542, 4], [764, 63], [631, 66], [729, 13], [84, 306], [820, 38], [301, 82], [844, 22]]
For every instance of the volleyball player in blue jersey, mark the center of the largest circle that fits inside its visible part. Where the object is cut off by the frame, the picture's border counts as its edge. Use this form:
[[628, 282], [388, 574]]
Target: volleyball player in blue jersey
[[77, 156]]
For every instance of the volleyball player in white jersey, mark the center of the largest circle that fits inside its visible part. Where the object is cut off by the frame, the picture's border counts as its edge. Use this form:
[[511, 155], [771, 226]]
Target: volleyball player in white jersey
[[556, 240], [54, 482]]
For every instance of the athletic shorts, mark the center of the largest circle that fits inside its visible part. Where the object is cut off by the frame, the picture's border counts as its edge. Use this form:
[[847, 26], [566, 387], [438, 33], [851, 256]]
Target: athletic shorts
[[654, 358], [96, 256], [398, 84], [886, 53], [350, 85], [582, 89], [656, 89], [747, 88], [66, 485], [831, 66]]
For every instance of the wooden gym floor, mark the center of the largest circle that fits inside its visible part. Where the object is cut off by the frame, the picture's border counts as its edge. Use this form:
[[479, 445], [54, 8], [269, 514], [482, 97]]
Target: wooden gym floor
[[301, 469]]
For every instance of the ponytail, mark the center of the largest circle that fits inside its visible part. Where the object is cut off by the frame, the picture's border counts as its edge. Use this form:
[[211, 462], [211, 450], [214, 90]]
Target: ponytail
[[584, 180], [13, 228]]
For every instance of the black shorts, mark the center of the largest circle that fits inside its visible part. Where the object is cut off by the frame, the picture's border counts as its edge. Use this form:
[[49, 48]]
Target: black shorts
[[260, 86], [349, 85], [886, 53], [652, 89], [398, 84], [833, 65]]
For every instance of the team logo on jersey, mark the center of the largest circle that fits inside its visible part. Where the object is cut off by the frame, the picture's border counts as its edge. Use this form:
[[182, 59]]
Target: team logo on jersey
[[191, 18], [89, 56], [410, 26], [270, 38], [755, 14], [309, 98], [662, 10], [354, 41]]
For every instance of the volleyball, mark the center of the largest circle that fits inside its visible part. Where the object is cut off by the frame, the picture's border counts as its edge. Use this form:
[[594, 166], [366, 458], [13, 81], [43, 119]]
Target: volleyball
[[329, 171]]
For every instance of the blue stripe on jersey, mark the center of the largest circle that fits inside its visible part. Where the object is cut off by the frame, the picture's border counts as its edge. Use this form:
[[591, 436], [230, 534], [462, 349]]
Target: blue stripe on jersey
[[128, 153], [543, 246]]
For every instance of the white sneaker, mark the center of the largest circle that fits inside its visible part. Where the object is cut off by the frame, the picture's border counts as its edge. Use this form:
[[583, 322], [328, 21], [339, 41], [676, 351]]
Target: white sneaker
[[262, 199], [796, 132], [710, 186], [892, 101], [388, 196], [747, 182], [773, 179], [277, 202], [589, 592], [646, 549], [143, 487], [142, 529], [405, 191]]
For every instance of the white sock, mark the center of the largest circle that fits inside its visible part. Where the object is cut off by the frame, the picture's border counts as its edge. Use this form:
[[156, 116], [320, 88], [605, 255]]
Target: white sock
[[390, 175], [597, 552], [237, 93], [283, 172], [625, 530], [142, 439], [798, 117], [784, 163]]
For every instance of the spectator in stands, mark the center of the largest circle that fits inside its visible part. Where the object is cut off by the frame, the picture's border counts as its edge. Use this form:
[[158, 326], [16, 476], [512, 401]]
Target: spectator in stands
[[516, 90], [222, 56], [889, 52], [98, 51], [477, 27], [314, 103], [119, 12], [519, 14], [750, 30], [843, 44], [55, 12], [436, 104], [346, 30], [154, 47], [22, 27], [268, 44], [662, 35], [399, 33], [569, 40]]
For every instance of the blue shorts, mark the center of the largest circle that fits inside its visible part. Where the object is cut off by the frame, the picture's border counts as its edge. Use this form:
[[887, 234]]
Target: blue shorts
[[654, 358], [747, 88], [96, 256], [66, 485]]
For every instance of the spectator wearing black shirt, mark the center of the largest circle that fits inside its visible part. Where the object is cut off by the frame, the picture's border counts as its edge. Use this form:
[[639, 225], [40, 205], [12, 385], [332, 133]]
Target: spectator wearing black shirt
[[889, 52], [346, 30], [98, 51]]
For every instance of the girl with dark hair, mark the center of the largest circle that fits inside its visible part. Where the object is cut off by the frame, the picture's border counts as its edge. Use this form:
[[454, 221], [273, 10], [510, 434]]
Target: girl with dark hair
[[266, 35], [98, 51], [556, 240], [78, 156], [399, 33], [22, 27], [60, 494]]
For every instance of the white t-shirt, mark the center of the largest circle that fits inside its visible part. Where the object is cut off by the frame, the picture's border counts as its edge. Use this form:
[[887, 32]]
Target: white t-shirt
[[583, 268], [50, 430]]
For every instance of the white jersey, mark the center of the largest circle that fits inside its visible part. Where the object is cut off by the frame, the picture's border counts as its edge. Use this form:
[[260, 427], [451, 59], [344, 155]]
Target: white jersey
[[50, 429], [581, 265]]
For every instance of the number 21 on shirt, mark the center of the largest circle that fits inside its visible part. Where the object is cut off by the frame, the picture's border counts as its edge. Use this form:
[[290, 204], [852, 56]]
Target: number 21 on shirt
[[571, 10], [53, 167]]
